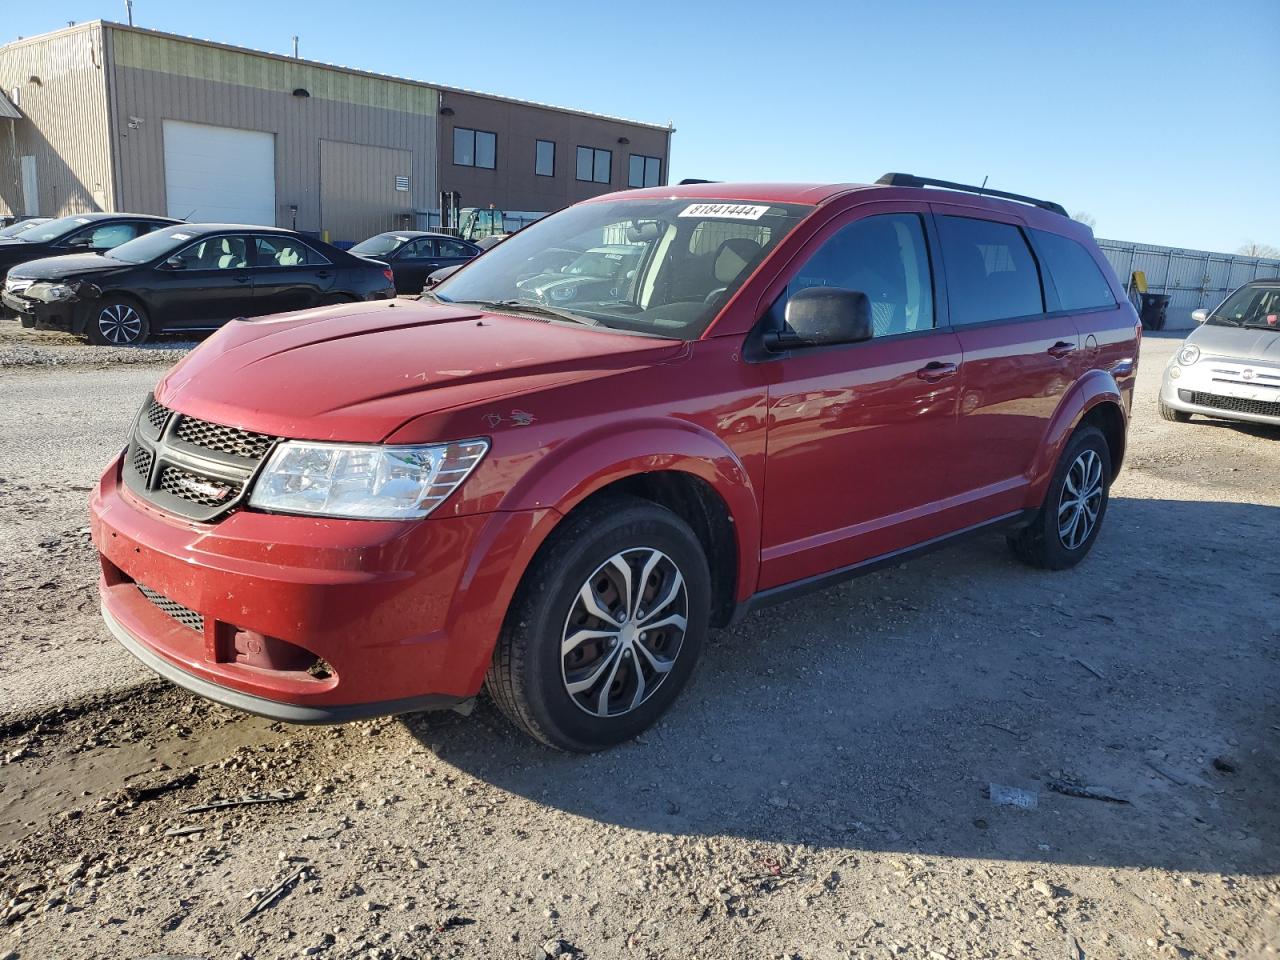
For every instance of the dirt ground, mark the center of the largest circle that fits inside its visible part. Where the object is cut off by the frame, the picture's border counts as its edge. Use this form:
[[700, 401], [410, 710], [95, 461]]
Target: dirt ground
[[823, 789]]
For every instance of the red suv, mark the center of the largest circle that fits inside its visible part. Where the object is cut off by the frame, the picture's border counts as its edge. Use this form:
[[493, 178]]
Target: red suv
[[552, 489]]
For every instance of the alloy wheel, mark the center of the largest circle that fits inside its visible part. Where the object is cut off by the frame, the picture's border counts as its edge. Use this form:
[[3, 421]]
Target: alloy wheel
[[624, 632], [119, 323], [1081, 500]]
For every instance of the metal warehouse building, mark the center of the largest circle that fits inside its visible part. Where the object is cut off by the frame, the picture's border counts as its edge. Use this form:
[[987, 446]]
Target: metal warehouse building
[[103, 116]]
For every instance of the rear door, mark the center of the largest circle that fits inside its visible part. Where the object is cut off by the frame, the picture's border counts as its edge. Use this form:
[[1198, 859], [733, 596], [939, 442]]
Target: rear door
[[289, 275], [860, 436], [208, 283], [1019, 358]]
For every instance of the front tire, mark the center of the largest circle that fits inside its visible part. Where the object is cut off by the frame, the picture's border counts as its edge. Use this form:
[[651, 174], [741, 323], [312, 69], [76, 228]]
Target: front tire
[[117, 322], [605, 628], [1172, 415], [1067, 524]]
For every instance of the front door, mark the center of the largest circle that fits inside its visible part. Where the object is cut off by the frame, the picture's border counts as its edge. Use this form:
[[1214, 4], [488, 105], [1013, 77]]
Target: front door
[[860, 436], [1019, 359], [204, 285], [413, 263]]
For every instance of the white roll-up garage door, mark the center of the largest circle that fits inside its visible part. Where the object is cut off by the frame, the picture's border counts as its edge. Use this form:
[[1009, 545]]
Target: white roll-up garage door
[[219, 174]]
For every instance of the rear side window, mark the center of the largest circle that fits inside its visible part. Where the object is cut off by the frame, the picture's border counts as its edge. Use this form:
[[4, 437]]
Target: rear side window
[[884, 257], [1080, 284], [991, 273], [452, 248], [286, 252]]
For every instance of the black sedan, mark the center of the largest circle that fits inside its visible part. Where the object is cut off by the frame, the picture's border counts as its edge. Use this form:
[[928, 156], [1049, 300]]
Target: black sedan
[[22, 226], [83, 233], [188, 277], [413, 254]]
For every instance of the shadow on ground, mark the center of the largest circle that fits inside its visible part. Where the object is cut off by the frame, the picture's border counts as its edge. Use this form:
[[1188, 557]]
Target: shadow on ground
[[875, 715]]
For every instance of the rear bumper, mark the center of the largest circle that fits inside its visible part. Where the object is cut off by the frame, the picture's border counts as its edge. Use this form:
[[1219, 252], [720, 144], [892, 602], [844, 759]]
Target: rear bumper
[[357, 618]]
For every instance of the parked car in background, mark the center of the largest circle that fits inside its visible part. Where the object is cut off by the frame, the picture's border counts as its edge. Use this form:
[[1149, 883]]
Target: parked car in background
[[83, 233], [414, 254], [784, 386], [187, 278], [22, 226], [1229, 367], [595, 274]]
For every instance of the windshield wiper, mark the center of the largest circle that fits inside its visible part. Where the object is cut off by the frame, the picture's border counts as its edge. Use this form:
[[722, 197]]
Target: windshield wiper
[[537, 308]]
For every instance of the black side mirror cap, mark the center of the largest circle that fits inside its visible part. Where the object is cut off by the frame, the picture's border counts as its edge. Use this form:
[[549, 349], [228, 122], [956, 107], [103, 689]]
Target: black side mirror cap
[[822, 316]]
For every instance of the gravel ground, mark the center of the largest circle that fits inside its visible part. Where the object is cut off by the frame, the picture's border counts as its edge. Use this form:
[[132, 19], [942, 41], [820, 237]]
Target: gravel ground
[[823, 788]]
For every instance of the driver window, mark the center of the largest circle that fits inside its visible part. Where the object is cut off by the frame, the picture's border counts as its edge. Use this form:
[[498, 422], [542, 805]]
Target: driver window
[[215, 253], [107, 236], [421, 249], [886, 258]]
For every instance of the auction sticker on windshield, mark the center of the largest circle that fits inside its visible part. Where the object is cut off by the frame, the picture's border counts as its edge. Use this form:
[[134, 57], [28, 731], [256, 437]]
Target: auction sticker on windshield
[[732, 211]]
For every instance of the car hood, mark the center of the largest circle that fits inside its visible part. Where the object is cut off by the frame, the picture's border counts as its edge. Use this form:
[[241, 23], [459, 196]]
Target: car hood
[[1240, 343], [357, 372], [68, 267]]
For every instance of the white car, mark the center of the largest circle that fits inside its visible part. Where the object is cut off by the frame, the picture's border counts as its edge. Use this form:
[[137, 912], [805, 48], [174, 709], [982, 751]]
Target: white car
[[1229, 367]]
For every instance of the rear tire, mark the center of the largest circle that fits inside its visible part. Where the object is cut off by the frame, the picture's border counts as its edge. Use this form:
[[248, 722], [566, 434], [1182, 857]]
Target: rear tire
[[1075, 504], [1172, 415], [591, 581], [116, 321]]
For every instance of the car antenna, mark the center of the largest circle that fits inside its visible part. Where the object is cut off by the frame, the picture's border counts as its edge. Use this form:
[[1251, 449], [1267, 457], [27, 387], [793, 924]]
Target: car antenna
[[984, 184], [187, 218]]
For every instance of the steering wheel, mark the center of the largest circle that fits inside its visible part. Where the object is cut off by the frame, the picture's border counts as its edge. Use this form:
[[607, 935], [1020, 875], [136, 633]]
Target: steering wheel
[[710, 297]]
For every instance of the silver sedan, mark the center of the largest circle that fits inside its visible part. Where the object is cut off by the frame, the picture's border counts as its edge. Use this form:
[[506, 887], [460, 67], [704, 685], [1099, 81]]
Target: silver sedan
[[1230, 366]]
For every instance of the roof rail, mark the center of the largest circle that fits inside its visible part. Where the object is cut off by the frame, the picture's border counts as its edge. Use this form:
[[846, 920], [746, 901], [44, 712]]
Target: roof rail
[[685, 183], [910, 180]]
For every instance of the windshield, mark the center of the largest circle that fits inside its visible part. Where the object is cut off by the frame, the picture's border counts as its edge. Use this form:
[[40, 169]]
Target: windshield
[[21, 226], [53, 229], [380, 245], [152, 246], [662, 267], [1250, 307]]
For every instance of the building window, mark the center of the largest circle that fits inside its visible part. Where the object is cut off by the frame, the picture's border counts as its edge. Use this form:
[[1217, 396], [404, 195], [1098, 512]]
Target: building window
[[595, 166], [544, 158], [644, 171], [475, 148]]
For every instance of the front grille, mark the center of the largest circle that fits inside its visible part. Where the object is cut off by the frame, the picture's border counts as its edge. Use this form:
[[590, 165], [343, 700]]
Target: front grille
[[140, 459], [1257, 408], [189, 466], [214, 436], [184, 615], [155, 414], [205, 491]]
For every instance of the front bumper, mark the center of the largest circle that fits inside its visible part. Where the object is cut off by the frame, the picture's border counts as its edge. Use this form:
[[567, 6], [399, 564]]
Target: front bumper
[[1226, 389], [398, 616], [38, 314]]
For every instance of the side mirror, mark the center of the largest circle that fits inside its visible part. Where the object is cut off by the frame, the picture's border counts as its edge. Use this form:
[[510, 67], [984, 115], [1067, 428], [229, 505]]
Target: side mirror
[[819, 316], [173, 263], [1199, 316], [80, 243]]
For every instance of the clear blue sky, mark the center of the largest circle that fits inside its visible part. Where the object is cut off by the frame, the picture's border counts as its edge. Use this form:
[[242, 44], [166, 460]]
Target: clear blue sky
[[1161, 119]]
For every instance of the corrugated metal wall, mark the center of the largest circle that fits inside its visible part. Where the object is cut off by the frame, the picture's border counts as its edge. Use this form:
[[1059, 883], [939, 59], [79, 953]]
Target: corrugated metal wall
[[1191, 278], [59, 84], [154, 78], [358, 188]]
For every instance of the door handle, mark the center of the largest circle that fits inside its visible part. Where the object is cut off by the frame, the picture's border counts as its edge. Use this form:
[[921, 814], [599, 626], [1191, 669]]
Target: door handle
[[1061, 349], [241, 279], [323, 274], [936, 370]]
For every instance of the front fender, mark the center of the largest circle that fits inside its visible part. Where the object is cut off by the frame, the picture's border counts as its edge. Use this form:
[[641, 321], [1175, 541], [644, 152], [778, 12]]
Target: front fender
[[1094, 388], [592, 460]]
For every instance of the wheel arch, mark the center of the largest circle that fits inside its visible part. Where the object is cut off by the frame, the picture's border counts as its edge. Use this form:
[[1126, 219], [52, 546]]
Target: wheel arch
[[1095, 399], [91, 306]]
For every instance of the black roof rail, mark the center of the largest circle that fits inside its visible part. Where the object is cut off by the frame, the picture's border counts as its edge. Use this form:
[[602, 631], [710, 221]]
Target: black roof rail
[[910, 180], [685, 183]]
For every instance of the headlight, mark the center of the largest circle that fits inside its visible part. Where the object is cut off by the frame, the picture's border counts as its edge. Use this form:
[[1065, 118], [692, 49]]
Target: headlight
[[364, 481], [1189, 354], [51, 292]]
